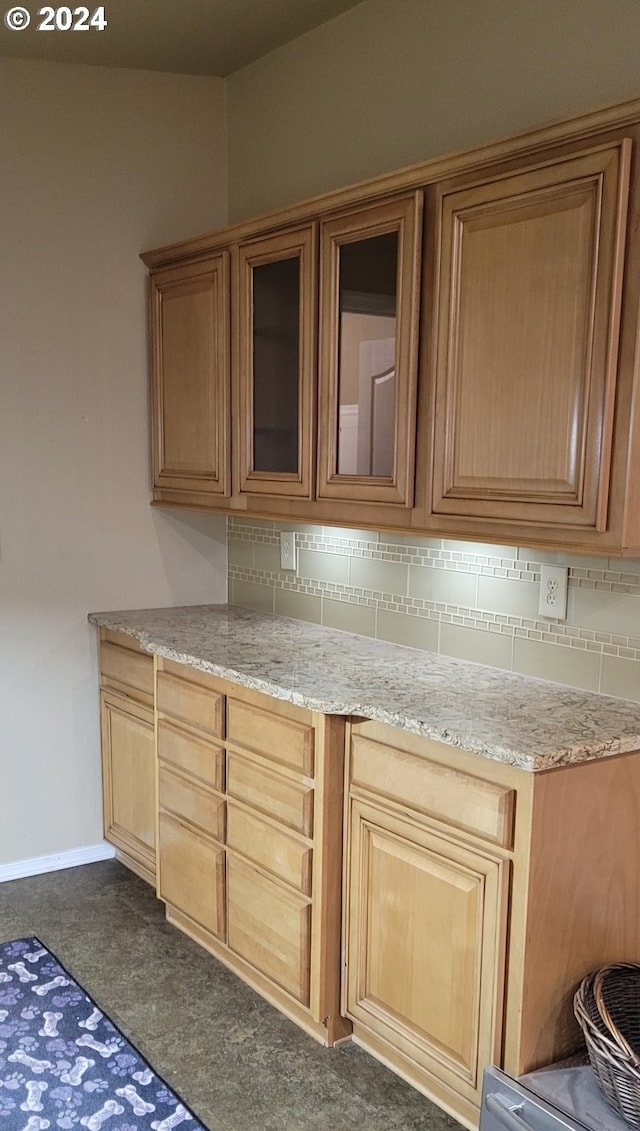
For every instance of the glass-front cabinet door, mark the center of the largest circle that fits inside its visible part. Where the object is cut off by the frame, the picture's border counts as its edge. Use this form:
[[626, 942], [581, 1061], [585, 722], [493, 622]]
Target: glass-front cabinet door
[[368, 339], [276, 341]]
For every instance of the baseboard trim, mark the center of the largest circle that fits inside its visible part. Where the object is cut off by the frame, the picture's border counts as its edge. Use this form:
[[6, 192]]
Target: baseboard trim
[[37, 865]]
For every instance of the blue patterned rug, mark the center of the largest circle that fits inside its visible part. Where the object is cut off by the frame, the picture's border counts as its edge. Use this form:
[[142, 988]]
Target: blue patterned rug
[[63, 1064]]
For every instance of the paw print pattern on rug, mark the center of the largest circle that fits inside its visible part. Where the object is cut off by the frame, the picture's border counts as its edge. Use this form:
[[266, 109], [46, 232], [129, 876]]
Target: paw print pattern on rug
[[64, 1066]]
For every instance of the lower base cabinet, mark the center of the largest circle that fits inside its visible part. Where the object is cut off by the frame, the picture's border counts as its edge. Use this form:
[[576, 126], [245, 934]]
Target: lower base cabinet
[[426, 933], [128, 753], [477, 896], [469, 901], [192, 874], [270, 928], [250, 793]]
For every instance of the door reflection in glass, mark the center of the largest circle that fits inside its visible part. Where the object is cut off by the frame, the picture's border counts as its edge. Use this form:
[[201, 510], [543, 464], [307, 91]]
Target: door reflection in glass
[[276, 365], [367, 356]]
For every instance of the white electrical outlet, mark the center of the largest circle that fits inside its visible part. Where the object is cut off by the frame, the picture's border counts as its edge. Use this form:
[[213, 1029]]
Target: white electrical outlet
[[553, 592], [287, 549]]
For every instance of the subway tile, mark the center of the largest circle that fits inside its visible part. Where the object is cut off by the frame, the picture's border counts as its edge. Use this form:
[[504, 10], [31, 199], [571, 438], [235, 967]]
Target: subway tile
[[240, 552], [266, 556], [262, 523], [323, 567], [370, 574], [351, 532], [411, 540], [603, 611], [300, 527], [251, 596], [349, 616], [561, 665], [300, 606], [531, 554], [417, 632], [449, 586], [581, 561], [620, 678], [625, 565], [476, 645], [487, 549], [501, 595]]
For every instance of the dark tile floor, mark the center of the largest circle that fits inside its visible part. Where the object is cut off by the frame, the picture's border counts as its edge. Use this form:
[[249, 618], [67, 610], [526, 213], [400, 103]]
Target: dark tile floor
[[235, 1060]]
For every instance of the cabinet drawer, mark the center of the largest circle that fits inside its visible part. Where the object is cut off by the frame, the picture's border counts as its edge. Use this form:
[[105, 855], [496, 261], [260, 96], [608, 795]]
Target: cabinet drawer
[[269, 927], [287, 801], [460, 800], [192, 874], [190, 703], [283, 855], [128, 670], [192, 802], [194, 756], [282, 740]]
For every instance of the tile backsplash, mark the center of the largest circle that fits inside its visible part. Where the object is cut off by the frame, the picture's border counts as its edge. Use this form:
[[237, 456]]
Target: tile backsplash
[[465, 599]]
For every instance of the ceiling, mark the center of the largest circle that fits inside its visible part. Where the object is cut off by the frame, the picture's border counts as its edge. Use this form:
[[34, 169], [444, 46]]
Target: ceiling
[[198, 37]]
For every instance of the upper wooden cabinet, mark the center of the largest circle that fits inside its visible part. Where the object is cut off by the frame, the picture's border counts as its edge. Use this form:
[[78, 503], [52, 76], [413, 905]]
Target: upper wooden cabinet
[[368, 338], [190, 392], [275, 364], [527, 341], [478, 380]]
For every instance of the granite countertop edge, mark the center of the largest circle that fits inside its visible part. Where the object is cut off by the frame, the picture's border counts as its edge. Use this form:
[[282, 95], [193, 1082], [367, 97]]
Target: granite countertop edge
[[335, 703]]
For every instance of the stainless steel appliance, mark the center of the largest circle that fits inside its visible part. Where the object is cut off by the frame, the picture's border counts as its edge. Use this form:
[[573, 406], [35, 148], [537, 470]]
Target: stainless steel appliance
[[558, 1098]]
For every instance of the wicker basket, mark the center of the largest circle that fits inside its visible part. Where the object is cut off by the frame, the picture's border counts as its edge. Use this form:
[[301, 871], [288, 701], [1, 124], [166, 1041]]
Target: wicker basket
[[607, 1007]]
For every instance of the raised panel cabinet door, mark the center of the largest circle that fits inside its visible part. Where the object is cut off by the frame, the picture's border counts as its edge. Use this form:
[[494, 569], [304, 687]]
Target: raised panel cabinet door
[[369, 281], [276, 363], [190, 343], [527, 339], [129, 779], [425, 946], [191, 873], [269, 925]]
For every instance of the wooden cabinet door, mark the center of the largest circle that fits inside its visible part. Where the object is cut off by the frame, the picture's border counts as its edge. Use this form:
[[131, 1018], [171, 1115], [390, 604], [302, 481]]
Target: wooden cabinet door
[[425, 945], [369, 270], [527, 337], [276, 362], [129, 780], [269, 926], [191, 873], [190, 342]]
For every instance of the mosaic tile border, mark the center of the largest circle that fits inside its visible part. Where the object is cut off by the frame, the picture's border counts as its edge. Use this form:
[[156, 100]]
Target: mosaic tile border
[[515, 569], [548, 632]]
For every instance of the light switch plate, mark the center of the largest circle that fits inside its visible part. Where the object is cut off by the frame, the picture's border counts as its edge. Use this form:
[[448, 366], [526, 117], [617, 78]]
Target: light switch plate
[[553, 592], [287, 549]]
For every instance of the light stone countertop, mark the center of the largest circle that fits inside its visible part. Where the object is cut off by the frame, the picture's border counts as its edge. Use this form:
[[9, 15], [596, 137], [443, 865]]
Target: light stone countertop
[[512, 718]]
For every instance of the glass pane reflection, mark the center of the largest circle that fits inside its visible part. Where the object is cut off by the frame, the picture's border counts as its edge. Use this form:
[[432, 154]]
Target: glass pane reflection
[[367, 356], [276, 364]]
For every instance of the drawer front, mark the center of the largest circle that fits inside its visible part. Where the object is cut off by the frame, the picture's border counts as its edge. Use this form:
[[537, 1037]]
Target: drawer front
[[286, 801], [465, 802], [275, 737], [190, 703], [194, 803], [192, 755], [269, 927], [192, 874], [132, 671], [283, 855]]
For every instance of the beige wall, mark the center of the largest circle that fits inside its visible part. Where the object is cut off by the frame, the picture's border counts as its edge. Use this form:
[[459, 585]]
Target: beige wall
[[390, 83], [97, 165]]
